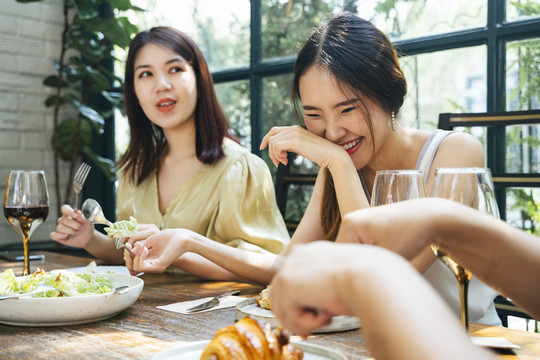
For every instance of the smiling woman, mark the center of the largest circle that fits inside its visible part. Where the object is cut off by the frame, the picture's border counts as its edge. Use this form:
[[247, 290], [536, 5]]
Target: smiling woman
[[349, 87]]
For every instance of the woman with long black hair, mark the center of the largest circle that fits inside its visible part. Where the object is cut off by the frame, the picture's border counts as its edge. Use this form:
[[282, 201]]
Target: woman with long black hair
[[182, 176]]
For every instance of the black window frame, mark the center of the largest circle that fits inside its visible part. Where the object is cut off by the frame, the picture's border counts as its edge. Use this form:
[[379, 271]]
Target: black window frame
[[494, 35]]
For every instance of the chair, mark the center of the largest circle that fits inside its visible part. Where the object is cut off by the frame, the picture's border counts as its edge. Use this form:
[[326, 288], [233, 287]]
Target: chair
[[496, 125], [286, 180]]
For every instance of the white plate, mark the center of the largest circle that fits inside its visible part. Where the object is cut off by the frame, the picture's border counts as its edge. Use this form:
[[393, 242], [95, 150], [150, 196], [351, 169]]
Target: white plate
[[101, 269], [193, 351], [27, 311], [250, 308]]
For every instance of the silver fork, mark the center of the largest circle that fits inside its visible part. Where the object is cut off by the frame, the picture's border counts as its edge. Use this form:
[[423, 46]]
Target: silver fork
[[41, 288], [78, 181]]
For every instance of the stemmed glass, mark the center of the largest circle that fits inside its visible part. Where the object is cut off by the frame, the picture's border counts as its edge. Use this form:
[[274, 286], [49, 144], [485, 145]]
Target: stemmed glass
[[26, 205], [472, 187], [391, 186]]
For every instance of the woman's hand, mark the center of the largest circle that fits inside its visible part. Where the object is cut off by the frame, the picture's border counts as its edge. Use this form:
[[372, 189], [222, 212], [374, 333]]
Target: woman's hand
[[304, 292], [143, 232], [73, 229], [281, 140], [157, 252], [406, 227]]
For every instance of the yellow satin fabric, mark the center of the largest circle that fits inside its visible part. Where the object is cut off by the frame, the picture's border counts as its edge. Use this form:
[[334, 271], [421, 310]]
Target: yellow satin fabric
[[231, 201]]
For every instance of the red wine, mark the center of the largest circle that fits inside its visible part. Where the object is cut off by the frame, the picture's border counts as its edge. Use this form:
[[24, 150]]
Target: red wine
[[26, 218]]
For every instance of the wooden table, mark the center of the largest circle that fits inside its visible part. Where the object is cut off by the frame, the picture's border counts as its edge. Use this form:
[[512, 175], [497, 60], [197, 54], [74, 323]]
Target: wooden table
[[142, 330]]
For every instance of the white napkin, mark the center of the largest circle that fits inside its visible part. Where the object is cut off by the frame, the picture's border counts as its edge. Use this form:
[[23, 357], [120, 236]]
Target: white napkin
[[494, 342], [181, 307]]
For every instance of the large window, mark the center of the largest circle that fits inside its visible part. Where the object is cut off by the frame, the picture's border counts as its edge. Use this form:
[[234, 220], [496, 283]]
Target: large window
[[458, 56]]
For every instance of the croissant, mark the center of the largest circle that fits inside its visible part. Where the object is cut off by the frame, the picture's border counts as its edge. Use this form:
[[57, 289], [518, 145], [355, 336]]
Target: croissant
[[251, 339], [263, 300]]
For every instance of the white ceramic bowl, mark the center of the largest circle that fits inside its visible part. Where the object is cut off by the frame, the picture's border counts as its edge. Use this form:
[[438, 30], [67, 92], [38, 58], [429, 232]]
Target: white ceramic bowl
[[59, 311]]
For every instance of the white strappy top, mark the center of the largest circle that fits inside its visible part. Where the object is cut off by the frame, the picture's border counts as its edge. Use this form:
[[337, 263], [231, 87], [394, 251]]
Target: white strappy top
[[481, 305]]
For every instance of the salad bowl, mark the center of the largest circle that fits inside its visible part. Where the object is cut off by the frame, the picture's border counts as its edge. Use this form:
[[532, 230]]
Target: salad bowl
[[59, 311]]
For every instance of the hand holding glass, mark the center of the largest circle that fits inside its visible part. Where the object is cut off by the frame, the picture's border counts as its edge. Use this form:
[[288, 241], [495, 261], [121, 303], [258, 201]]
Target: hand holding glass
[[472, 187], [26, 205]]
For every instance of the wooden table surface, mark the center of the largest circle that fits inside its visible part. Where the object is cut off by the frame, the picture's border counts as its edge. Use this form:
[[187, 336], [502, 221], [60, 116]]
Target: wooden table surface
[[141, 331]]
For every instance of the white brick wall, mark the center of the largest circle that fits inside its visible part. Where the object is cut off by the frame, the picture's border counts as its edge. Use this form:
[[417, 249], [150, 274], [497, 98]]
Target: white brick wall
[[29, 44]]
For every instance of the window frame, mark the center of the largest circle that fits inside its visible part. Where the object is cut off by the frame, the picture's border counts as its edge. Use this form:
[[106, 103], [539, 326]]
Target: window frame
[[494, 35]]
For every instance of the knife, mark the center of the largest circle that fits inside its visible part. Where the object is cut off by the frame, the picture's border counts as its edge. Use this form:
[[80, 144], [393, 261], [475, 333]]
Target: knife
[[212, 302]]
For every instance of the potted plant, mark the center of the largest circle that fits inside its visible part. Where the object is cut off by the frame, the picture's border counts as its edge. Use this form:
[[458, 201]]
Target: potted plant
[[84, 81]]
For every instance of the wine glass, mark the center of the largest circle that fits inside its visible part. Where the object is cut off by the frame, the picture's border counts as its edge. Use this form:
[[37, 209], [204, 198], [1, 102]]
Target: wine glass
[[26, 205], [391, 186], [471, 186]]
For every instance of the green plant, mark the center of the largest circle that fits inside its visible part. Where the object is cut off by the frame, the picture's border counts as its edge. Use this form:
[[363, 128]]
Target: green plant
[[524, 96], [84, 80]]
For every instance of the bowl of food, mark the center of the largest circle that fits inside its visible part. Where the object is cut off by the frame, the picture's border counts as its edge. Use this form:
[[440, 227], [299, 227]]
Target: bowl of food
[[79, 298]]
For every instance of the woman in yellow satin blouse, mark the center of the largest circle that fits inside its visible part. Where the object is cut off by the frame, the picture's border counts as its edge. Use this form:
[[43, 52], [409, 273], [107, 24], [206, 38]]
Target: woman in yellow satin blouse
[[183, 177]]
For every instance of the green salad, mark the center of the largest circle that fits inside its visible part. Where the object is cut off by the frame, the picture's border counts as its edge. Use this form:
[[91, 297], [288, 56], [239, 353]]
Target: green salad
[[69, 283], [123, 228]]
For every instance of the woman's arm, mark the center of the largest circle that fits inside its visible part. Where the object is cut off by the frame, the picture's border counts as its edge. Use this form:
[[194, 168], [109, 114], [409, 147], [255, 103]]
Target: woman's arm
[[322, 279], [74, 230], [500, 255], [256, 267], [260, 268], [349, 191], [103, 248], [199, 256], [348, 187]]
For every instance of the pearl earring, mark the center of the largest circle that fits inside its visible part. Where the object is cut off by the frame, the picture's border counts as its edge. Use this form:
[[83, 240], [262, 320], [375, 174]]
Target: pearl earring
[[393, 123]]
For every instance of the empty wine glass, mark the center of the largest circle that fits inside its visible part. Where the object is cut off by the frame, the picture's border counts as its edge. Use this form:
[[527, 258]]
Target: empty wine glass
[[26, 205], [472, 187], [391, 186]]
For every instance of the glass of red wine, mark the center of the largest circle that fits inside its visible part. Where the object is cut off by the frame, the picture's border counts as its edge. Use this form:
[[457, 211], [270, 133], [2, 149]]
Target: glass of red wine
[[26, 205]]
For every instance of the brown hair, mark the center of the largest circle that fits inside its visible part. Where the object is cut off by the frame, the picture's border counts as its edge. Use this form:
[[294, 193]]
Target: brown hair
[[147, 140], [364, 62]]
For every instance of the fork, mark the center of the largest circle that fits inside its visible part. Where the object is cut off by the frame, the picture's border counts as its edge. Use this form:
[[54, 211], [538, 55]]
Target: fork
[[41, 288], [78, 181]]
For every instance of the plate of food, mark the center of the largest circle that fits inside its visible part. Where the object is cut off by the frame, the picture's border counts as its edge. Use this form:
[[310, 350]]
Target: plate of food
[[246, 337], [80, 298], [261, 307]]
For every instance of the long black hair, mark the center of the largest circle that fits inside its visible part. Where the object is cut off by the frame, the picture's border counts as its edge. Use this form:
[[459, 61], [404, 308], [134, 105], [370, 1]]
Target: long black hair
[[147, 140], [364, 63]]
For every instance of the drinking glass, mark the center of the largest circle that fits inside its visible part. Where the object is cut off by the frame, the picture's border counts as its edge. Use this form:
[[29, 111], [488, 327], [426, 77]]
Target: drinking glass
[[391, 186], [26, 205], [472, 187]]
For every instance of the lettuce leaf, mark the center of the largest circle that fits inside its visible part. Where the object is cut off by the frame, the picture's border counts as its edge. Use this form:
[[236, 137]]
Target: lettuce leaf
[[123, 228], [69, 283], [7, 282]]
